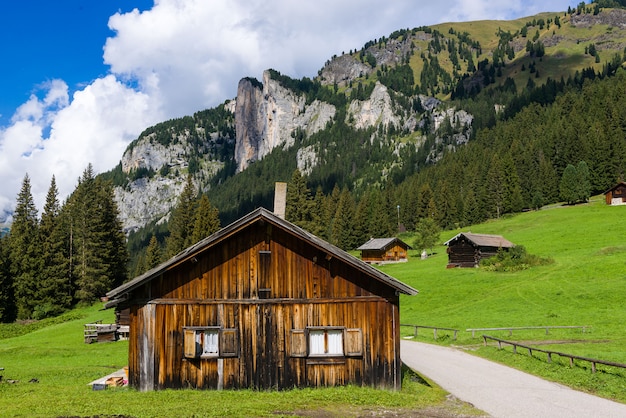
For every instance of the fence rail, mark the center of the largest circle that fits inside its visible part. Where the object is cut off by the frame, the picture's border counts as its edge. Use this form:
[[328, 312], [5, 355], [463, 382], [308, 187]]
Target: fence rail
[[549, 353], [547, 328], [416, 327]]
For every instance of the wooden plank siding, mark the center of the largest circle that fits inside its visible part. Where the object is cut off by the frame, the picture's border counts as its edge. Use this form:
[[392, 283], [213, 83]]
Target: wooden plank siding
[[264, 288], [302, 293], [263, 334]]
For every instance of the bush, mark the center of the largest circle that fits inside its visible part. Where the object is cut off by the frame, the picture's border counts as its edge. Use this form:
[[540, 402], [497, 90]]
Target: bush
[[515, 259]]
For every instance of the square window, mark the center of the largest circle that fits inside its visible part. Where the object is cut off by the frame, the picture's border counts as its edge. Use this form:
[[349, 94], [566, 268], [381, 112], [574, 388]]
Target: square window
[[209, 342]]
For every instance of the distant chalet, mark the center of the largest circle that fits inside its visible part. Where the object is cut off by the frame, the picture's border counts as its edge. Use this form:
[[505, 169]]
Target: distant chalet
[[616, 195], [384, 250], [262, 304], [467, 249]]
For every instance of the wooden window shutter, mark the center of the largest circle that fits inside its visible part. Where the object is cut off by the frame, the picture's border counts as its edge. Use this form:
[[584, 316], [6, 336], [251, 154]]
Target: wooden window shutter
[[298, 343], [229, 346], [353, 342], [189, 342]]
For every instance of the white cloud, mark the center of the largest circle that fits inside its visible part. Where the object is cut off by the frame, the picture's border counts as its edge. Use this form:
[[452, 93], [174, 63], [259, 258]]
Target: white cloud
[[184, 56]]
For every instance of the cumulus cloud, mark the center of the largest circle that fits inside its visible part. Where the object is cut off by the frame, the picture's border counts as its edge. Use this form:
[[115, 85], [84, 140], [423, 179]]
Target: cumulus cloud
[[183, 56]]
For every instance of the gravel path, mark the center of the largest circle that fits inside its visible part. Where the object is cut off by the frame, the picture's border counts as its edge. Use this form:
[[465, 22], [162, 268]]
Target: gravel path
[[502, 391]]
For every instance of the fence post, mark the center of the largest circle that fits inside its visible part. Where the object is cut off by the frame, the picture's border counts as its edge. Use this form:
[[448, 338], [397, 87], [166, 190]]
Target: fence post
[[415, 330], [593, 367], [455, 335], [435, 333], [484, 339]]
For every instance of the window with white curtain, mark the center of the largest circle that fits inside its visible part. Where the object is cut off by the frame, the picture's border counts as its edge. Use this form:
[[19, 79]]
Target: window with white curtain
[[208, 342], [326, 342]]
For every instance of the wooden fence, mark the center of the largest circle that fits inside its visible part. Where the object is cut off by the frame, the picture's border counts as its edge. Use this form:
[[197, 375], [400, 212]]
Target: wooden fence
[[549, 353], [547, 328], [415, 328]]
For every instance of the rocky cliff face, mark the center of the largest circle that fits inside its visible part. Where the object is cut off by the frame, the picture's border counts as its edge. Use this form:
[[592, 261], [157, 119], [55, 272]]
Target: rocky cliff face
[[267, 116]]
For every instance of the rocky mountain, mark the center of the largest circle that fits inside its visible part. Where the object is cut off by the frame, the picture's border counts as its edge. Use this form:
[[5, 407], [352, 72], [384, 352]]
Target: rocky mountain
[[402, 101]]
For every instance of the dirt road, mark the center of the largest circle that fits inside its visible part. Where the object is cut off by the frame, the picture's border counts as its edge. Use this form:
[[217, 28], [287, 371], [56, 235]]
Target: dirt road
[[502, 391]]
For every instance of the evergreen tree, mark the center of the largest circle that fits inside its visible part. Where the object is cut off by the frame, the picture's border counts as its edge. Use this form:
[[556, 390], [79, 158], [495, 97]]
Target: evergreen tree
[[98, 245], [26, 263], [583, 189], [8, 310], [343, 226], [153, 253], [207, 220], [318, 227], [428, 232], [182, 220], [568, 187], [298, 209], [54, 292]]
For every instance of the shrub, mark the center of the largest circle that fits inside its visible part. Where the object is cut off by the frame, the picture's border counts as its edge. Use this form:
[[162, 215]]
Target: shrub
[[515, 259]]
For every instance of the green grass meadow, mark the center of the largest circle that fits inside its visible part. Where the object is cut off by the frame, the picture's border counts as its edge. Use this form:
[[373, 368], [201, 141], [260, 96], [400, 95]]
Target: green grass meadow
[[584, 285]]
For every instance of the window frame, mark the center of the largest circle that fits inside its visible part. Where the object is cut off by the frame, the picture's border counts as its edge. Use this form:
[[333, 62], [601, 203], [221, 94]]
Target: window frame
[[225, 339], [301, 345]]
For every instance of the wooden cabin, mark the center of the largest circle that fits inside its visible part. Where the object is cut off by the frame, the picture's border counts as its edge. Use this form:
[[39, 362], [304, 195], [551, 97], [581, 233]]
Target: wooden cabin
[[384, 250], [262, 304], [467, 249], [616, 195]]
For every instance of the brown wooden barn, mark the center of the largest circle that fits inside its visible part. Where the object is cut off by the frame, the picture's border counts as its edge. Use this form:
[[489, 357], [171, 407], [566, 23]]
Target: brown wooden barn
[[262, 304], [467, 249], [384, 250], [616, 195]]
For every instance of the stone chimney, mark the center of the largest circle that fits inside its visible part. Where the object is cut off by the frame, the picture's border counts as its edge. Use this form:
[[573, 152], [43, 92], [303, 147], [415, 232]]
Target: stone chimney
[[280, 199]]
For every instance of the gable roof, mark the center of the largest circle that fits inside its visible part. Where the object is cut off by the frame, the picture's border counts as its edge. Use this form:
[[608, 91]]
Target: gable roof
[[620, 184], [117, 295], [483, 240], [381, 243]]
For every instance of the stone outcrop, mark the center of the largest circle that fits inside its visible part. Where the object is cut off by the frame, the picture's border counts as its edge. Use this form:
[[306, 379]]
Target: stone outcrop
[[268, 116]]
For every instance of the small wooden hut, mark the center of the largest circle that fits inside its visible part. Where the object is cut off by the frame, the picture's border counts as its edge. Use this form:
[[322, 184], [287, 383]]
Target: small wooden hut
[[467, 249], [616, 195], [384, 250], [262, 304]]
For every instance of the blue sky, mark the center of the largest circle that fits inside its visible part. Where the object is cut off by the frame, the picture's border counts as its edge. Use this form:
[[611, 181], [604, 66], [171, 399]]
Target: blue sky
[[82, 78], [44, 40]]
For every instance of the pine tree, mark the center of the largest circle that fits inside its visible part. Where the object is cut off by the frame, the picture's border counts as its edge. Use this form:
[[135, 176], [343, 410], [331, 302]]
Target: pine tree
[[98, 245], [26, 264], [298, 209], [54, 291], [583, 189], [8, 310], [153, 253], [428, 232], [568, 187], [207, 220], [343, 226], [182, 220]]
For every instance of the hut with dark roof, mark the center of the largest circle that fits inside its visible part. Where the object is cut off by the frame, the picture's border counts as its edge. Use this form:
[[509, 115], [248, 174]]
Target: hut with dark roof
[[616, 195], [262, 304], [384, 250], [467, 249]]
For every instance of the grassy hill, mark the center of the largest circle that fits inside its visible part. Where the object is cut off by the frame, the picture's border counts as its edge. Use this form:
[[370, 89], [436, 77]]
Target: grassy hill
[[583, 286]]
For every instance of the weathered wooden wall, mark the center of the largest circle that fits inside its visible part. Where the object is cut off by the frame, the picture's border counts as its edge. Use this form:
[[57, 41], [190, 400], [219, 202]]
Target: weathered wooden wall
[[263, 283], [394, 253]]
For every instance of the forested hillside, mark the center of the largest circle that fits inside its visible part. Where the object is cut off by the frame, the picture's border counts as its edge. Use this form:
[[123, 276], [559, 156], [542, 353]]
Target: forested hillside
[[454, 123], [536, 90]]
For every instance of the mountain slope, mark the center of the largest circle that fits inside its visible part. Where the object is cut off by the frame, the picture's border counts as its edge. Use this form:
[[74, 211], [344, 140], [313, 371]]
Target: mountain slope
[[372, 117]]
